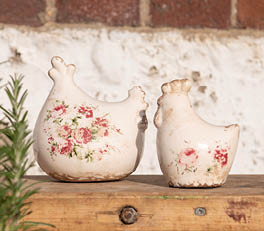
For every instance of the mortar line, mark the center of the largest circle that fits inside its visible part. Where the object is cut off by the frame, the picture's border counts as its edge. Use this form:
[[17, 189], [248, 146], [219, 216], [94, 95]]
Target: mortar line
[[234, 13], [209, 32], [50, 11], [144, 12]]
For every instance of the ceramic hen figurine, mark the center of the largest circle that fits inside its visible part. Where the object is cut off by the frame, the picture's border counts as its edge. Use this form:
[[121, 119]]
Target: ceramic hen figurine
[[192, 153], [78, 138]]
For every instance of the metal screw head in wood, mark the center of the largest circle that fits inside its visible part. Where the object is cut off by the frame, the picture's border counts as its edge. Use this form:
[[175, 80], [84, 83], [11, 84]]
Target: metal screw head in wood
[[128, 215], [200, 211]]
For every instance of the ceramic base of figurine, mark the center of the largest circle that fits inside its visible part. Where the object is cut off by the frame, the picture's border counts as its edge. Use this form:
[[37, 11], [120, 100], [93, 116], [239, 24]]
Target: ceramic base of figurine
[[194, 185], [94, 178]]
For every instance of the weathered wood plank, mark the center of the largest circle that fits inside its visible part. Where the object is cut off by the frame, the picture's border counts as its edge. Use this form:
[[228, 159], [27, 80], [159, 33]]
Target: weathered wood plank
[[238, 205]]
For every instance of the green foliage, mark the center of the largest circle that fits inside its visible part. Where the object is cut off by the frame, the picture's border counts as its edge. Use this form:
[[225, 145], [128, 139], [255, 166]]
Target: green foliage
[[15, 136]]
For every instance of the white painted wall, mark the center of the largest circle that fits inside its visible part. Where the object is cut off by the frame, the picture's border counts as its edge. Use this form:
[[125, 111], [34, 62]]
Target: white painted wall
[[109, 62]]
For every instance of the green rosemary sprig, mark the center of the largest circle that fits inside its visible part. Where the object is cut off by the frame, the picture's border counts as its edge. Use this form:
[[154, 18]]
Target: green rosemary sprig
[[15, 136]]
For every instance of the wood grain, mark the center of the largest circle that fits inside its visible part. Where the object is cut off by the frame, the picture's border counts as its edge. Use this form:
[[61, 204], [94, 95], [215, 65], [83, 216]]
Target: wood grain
[[238, 205]]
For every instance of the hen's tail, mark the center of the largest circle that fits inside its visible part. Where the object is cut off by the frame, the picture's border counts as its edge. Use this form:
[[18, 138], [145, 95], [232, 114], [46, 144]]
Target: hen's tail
[[139, 95]]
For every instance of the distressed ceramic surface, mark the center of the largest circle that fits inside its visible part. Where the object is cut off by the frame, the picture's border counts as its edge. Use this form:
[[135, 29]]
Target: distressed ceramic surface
[[78, 138], [191, 152]]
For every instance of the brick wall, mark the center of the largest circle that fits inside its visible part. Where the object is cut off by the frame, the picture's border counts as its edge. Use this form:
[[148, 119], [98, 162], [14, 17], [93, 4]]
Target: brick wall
[[219, 14]]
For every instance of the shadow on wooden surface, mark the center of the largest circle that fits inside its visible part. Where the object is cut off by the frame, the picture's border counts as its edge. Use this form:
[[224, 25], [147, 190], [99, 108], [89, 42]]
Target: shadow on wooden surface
[[238, 184]]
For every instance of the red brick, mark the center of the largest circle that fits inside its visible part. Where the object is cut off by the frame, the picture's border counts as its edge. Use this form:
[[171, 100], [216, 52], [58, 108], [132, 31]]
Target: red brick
[[22, 12], [109, 12], [191, 13], [250, 14]]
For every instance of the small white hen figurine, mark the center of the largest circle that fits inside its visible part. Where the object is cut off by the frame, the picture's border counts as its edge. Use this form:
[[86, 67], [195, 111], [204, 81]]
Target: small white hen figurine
[[78, 138], [192, 153]]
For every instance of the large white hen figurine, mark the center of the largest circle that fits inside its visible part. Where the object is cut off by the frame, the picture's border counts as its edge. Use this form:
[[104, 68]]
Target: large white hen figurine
[[78, 138]]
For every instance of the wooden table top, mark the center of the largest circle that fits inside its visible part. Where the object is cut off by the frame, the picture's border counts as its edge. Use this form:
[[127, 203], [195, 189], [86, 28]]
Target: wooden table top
[[151, 184], [238, 205]]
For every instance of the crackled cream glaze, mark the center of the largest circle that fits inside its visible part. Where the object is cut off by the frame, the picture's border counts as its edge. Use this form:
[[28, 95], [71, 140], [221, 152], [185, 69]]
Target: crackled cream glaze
[[85, 139], [192, 153]]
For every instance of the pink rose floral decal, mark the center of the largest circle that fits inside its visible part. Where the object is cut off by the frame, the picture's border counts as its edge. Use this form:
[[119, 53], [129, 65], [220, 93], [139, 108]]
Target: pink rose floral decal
[[74, 131], [82, 135], [221, 156], [187, 160]]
